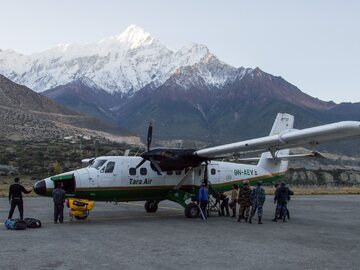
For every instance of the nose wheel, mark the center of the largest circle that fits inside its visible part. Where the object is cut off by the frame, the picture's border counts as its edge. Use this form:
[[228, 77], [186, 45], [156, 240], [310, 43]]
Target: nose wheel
[[151, 206], [192, 210]]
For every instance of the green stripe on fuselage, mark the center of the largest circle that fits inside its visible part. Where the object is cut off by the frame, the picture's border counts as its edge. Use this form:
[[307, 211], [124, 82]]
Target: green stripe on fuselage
[[143, 193]]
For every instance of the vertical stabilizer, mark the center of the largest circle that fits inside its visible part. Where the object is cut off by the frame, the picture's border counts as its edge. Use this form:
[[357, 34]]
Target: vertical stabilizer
[[283, 122]]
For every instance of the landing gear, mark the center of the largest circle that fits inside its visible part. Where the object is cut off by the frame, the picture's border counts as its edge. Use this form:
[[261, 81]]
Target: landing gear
[[151, 206], [192, 210]]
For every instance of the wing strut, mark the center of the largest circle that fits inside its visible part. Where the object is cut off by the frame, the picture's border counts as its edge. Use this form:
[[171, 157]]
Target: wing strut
[[181, 182]]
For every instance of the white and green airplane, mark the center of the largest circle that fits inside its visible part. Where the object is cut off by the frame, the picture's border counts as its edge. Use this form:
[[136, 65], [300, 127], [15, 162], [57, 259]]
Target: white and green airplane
[[176, 174]]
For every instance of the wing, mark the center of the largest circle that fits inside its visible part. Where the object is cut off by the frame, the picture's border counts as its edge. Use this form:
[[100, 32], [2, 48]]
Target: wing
[[287, 139]]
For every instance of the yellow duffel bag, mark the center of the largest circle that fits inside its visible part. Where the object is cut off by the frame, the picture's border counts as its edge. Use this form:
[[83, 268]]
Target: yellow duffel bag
[[80, 204]]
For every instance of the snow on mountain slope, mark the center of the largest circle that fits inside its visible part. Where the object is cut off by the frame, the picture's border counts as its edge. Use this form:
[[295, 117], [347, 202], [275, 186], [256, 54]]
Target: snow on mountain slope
[[123, 63]]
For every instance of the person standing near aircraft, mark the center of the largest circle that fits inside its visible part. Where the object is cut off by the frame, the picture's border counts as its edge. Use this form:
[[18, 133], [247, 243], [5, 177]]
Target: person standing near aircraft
[[58, 195], [257, 201], [234, 197], [203, 199], [224, 204], [282, 196], [244, 201], [15, 198]]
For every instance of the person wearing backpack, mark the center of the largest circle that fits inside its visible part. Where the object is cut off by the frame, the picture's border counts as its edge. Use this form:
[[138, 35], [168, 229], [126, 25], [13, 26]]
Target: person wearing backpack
[[15, 198], [58, 195]]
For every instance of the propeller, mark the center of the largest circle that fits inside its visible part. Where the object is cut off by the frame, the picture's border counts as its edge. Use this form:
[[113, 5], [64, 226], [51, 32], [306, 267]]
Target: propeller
[[148, 157], [206, 173], [149, 136]]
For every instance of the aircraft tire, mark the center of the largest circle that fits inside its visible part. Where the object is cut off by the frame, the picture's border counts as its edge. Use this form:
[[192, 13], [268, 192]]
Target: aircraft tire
[[192, 210], [151, 206]]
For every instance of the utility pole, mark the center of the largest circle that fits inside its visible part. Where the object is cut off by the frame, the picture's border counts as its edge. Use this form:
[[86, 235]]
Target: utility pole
[[81, 154], [96, 147]]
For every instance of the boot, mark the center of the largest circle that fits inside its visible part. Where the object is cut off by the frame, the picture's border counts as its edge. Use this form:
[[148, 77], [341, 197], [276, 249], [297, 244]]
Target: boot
[[234, 214], [274, 219], [260, 221], [246, 219], [284, 219], [250, 220]]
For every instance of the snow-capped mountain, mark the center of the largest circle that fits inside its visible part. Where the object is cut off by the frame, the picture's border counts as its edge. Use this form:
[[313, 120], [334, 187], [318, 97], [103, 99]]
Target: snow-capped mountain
[[124, 63]]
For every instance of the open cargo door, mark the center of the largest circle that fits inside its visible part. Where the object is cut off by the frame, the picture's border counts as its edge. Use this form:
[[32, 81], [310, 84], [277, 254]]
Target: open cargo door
[[68, 181]]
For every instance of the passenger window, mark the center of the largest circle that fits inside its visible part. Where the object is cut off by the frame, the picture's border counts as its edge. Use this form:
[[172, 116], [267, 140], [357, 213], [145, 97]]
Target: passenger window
[[143, 171], [132, 171], [178, 172], [213, 171], [110, 167], [169, 172]]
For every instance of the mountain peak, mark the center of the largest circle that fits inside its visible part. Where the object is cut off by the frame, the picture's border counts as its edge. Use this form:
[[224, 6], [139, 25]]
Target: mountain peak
[[194, 48], [135, 36]]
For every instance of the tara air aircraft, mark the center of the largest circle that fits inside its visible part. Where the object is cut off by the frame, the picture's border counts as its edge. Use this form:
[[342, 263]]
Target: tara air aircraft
[[176, 174]]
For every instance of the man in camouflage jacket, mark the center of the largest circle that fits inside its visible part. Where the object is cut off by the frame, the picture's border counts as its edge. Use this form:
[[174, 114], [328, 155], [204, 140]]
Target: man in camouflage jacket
[[244, 201]]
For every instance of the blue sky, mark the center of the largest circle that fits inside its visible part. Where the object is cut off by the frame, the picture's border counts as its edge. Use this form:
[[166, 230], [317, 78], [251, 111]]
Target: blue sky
[[312, 44]]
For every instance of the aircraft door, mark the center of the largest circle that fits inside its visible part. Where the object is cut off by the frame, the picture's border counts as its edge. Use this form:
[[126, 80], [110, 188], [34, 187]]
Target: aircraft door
[[107, 173], [213, 173]]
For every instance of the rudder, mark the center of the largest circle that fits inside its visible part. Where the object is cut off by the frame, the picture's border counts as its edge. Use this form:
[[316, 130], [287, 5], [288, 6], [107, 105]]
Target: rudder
[[283, 122]]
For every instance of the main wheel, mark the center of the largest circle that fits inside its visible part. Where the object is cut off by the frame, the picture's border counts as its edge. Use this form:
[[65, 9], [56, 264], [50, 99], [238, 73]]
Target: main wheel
[[151, 206], [192, 210]]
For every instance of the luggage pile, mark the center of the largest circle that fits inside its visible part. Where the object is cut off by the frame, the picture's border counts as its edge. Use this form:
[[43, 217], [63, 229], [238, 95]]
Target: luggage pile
[[22, 224]]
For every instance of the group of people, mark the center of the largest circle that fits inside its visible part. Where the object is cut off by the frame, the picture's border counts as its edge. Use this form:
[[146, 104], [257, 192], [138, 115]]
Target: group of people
[[250, 201], [16, 200]]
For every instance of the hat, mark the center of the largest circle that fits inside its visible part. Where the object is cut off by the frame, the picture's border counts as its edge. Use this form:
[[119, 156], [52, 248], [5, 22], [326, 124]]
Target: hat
[[17, 179]]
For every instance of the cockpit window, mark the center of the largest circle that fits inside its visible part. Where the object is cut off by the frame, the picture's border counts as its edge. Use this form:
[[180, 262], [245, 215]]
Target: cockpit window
[[110, 167], [98, 163]]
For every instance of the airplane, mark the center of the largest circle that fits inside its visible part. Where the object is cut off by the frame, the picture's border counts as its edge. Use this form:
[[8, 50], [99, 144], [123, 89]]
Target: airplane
[[176, 174]]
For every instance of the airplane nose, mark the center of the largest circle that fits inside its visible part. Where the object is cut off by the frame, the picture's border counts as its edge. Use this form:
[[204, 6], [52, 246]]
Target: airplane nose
[[40, 188]]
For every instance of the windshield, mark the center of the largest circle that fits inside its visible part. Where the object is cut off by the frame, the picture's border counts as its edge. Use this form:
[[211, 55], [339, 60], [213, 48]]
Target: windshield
[[98, 163]]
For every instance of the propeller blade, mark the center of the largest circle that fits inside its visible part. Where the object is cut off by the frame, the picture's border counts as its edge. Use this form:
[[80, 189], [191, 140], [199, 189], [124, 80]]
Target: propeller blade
[[156, 166], [149, 137], [206, 174], [141, 163]]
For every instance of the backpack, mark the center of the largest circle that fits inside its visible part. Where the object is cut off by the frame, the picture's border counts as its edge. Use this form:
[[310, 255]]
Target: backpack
[[32, 223], [15, 224]]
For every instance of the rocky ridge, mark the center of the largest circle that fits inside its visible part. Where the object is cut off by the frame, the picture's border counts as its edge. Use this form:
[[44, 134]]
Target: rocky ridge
[[25, 115]]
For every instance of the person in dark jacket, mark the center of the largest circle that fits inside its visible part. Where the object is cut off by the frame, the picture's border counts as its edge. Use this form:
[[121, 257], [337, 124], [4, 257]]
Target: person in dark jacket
[[15, 198], [244, 201], [224, 204], [282, 196], [203, 199], [257, 201], [59, 195]]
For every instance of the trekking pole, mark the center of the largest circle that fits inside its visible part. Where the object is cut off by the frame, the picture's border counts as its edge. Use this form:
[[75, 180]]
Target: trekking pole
[[201, 212]]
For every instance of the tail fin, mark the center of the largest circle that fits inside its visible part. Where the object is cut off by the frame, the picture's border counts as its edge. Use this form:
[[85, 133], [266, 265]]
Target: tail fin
[[282, 123]]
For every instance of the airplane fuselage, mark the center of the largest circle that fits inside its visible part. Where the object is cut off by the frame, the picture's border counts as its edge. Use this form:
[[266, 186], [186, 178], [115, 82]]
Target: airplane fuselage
[[115, 178]]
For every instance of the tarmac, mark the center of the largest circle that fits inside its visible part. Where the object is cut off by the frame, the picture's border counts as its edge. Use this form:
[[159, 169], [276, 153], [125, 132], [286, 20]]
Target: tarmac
[[323, 233]]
